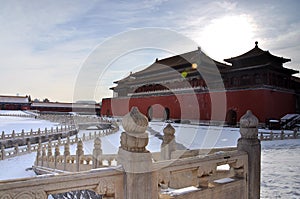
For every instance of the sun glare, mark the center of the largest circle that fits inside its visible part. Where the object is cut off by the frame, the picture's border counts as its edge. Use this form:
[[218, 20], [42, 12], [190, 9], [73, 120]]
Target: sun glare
[[228, 36]]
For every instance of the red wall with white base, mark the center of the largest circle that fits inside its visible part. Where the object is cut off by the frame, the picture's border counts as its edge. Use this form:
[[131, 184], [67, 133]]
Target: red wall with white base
[[264, 103]]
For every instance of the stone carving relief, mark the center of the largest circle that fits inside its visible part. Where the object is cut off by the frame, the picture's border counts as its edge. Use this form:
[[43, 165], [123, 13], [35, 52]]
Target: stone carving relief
[[24, 195]]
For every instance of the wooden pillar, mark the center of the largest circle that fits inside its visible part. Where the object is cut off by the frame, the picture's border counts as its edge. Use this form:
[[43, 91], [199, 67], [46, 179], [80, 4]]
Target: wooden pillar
[[250, 143], [168, 145], [140, 181]]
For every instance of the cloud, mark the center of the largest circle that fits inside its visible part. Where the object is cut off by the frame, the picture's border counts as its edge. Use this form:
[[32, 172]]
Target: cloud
[[43, 44]]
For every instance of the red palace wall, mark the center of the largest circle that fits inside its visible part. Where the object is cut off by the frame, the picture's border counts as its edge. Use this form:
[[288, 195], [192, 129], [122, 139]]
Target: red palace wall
[[264, 103]]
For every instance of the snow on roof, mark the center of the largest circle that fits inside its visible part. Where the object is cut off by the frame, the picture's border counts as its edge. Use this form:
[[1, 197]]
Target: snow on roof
[[289, 116], [13, 99], [63, 105]]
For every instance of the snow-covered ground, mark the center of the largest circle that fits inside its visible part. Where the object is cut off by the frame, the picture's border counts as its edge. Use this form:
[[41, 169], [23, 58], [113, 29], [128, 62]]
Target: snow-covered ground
[[10, 123], [280, 159]]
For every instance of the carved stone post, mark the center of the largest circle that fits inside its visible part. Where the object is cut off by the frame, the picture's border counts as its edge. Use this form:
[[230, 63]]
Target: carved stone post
[[79, 153], [38, 155], [66, 154], [17, 149], [56, 154], [168, 145], [250, 143], [28, 146], [295, 134], [49, 154], [44, 157], [282, 135], [140, 179], [97, 153], [2, 152], [23, 134]]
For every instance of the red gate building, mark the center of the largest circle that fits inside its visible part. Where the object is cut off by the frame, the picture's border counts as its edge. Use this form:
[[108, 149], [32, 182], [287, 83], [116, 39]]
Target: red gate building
[[192, 86]]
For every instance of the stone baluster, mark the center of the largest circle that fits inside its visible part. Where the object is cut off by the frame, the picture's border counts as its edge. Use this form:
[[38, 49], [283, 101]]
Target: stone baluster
[[44, 156], [79, 154], [261, 136], [38, 155], [49, 154], [83, 137], [282, 135], [22, 134], [28, 146], [66, 154], [46, 131], [271, 135], [16, 149], [168, 145], [56, 128], [97, 153], [39, 131], [2, 152], [250, 143], [13, 135], [295, 134], [51, 130], [56, 154], [31, 132], [3, 135], [59, 140], [140, 181], [68, 139]]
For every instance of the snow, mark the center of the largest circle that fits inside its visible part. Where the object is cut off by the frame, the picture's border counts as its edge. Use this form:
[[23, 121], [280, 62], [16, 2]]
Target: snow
[[176, 192], [280, 175], [6, 112], [224, 180], [10, 123]]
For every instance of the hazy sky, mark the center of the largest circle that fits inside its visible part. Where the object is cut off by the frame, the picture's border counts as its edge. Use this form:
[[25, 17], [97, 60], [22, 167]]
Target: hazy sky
[[45, 44]]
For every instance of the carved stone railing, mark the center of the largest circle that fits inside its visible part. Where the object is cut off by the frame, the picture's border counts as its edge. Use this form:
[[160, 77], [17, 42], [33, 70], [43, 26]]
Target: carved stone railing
[[275, 135], [106, 182], [205, 175], [72, 163], [39, 132], [28, 148], [72, 119], [222, 175]]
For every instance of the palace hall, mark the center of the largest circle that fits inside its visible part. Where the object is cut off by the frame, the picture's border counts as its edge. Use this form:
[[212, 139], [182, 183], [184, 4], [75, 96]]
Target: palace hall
[[192, 86]]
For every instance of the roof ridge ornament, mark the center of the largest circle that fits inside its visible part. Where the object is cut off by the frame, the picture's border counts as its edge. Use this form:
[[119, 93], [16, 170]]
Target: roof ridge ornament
[[256, 44]]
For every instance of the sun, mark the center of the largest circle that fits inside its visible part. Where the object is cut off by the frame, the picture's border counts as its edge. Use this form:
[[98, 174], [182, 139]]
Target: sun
[[228, 36]]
